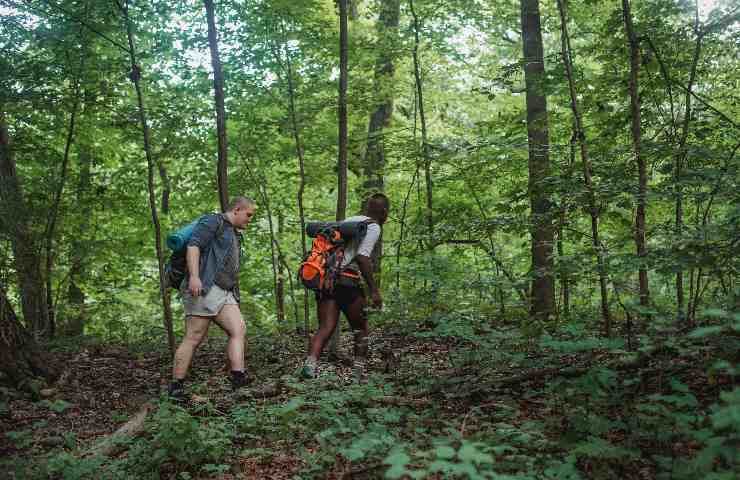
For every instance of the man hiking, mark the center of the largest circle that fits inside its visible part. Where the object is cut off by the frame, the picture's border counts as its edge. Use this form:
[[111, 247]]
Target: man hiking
[[350, 299], [210, 291]]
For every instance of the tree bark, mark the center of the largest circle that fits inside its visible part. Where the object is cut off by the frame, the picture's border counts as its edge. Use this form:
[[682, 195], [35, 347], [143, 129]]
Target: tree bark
[[54, 211], [374, 162], [342, 162], [301, 171], [280, 288], [20, 357], [426, 160], [135, 77], [640, 222], [342, 112], [218, 88], [680, 158], [587, 170], [25, 251], [543, 285], [76, 316]]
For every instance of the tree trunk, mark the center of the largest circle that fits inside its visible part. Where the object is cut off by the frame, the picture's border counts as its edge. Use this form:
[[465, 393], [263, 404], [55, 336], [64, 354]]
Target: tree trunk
[[640, 222], [280, 289], [218, 88], [681, 158], [301, 172], [76, 316], [374, 163], [586, 161], [135, 76], [25, 252], [422, 118], [54, 211], [342, 163], [20, 357], [342, 112], [543, 285]]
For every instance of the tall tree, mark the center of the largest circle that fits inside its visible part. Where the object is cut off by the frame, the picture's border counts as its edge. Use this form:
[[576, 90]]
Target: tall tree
[[426, 159], [76, 314], [342, 112], [374, 161], [640, 241], [25, 248], [54, 210], [681, 154], [218, 89], [135, 77], [287, 68], [586, 162], [542, 231]]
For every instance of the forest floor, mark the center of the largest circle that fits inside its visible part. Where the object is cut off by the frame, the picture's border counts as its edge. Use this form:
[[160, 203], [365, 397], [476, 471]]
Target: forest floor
[[435, 406]]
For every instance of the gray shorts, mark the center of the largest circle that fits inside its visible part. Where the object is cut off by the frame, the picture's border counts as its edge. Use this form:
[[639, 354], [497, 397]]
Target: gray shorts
[[207, 305]]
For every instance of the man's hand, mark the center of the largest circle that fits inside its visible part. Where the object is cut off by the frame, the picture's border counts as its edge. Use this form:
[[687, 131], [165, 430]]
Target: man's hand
[[195, 286], [376, 299]]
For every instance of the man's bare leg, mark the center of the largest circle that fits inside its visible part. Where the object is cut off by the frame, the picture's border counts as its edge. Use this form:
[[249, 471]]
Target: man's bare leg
[[328, 313], [328, 318], [357, 318], [196, 329], [230, 319]]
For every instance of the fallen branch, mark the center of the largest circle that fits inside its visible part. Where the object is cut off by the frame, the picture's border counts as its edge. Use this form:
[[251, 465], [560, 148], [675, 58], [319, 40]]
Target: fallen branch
[[115, 442]]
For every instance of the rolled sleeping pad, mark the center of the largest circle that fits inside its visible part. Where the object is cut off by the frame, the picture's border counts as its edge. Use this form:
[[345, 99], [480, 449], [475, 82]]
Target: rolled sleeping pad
[[179, 239], [347, 229]]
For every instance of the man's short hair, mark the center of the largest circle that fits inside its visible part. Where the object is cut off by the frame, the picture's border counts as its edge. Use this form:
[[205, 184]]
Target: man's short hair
[[377, 203], [241, 202]]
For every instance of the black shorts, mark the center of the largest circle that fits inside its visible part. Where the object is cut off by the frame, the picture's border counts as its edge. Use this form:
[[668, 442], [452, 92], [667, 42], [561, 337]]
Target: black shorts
[[344, 296]]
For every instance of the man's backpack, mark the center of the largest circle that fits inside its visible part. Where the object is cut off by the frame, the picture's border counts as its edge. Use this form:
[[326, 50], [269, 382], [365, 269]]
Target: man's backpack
[[321, 269], [177, 266]]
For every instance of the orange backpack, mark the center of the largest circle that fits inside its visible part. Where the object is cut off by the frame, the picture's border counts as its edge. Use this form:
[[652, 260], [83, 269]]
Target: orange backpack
[[321, 270]]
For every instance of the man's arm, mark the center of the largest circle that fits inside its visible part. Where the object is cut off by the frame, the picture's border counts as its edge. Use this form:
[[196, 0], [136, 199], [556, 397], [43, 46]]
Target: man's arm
[[366, 267], [192, 256], [203, 234]]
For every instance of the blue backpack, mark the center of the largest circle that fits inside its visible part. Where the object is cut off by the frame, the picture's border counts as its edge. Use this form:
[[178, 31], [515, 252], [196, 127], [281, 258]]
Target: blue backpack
[[177, 266]]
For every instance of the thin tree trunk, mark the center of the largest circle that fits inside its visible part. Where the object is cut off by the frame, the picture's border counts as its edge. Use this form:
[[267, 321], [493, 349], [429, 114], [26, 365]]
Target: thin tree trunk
[[280, 290], [543, 285], [587, 170], [25, 253], [498, 264], [78, 249], [422, 118], [564, 280], [135, 77], [54, 211], [402, 228], [262, 188], [681, 157], [166, 186], [342, 112], [218, 89], [342, 163], [301, 172], [640, 222]]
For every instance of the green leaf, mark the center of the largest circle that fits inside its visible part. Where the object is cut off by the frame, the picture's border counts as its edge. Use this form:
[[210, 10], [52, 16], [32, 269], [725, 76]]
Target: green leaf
[[445, 452], [470, 453], [702, 332]]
